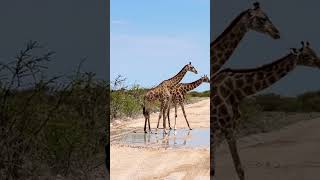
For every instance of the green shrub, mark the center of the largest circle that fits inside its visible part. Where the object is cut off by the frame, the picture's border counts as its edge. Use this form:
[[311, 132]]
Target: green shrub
[[199, 94], [124, 101], [310, 101]]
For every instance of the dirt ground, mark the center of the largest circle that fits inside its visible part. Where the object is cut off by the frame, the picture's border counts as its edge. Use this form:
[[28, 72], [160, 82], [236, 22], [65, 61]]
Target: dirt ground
[[157, 162], [292, 153]]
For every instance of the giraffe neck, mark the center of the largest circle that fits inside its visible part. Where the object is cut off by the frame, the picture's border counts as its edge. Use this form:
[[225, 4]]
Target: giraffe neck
[[242, 83], [178, 77], [222, 48], [190, 86]]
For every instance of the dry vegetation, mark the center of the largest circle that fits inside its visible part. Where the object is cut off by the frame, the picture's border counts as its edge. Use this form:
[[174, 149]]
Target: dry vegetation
[[268, 112], [50, 127]]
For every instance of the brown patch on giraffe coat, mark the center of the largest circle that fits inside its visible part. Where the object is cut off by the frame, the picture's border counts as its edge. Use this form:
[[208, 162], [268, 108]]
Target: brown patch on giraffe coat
[[229, 84], [257, 85], [232, 99], [264, 84], [222, 110], [239, 83], [272, 79], [260, 76], [238, 95], [223, 91], [228, 53], [217, 101], [222, 122], [248, 90]]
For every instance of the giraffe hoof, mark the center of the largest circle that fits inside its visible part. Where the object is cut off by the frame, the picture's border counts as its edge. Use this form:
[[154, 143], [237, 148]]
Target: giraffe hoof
[[170, 128], [145, 132], [190, 128]]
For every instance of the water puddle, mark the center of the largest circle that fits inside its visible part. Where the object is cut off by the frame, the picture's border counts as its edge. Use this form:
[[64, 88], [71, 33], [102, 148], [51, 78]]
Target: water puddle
[[196, 138]]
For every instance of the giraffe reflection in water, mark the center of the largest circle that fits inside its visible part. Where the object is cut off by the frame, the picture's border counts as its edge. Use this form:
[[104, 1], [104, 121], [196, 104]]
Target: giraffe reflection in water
[[198, 137]]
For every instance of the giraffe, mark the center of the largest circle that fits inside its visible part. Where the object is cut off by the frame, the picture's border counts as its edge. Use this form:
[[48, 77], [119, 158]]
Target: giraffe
[[222, 48], [232, 86], [178, 93], [162, 93]]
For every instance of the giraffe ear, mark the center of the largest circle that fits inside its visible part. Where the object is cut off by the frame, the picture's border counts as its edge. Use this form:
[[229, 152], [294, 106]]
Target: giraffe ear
[[256, 5], [294, 50], [307, 43]]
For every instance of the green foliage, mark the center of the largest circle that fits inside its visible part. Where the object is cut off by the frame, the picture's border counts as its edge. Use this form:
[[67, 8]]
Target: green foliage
[[250, 117], [307, 102], [310, 101], [125, 102], [199, 94], [264, 113]]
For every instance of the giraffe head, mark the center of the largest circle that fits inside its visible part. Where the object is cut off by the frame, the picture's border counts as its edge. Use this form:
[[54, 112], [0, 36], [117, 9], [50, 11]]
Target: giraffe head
[[190, 68], [205, 79], [260, 22], [306, 55]]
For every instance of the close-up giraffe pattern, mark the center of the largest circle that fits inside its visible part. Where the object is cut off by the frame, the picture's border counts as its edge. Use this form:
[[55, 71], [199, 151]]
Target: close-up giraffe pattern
[[229, 87]]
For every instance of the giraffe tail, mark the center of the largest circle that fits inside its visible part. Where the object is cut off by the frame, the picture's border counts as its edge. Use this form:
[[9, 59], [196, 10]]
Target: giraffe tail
[[144, 110]]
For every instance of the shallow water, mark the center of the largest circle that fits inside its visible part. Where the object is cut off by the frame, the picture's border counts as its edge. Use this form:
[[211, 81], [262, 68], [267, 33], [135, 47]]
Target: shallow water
[[198, 137]]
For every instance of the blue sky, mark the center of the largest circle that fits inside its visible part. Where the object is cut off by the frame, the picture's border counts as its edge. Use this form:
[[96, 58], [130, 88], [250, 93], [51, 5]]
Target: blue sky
[[152, 40]]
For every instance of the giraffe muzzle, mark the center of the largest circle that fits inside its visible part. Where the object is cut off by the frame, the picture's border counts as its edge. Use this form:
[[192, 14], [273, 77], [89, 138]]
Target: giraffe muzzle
[[275, 33], [277, 36]]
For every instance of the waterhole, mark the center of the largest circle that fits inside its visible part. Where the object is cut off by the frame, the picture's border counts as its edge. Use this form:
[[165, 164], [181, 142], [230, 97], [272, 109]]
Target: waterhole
[[198, 137]]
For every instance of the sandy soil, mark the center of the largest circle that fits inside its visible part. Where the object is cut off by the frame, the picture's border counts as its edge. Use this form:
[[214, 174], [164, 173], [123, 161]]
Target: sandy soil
[[292, 153], [161, 163]]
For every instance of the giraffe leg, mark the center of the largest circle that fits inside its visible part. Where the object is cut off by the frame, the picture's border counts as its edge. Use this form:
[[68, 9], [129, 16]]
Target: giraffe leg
[[145, 122], [144, 112], [164, 111], [185, 140], [175, 116], [149, 125], [235, 156], [160, 115], [184, 113], [145, 125], [213, 147], [168, 116]]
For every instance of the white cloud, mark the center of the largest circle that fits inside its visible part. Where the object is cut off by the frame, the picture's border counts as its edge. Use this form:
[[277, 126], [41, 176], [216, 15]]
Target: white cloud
[[119, 22]]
